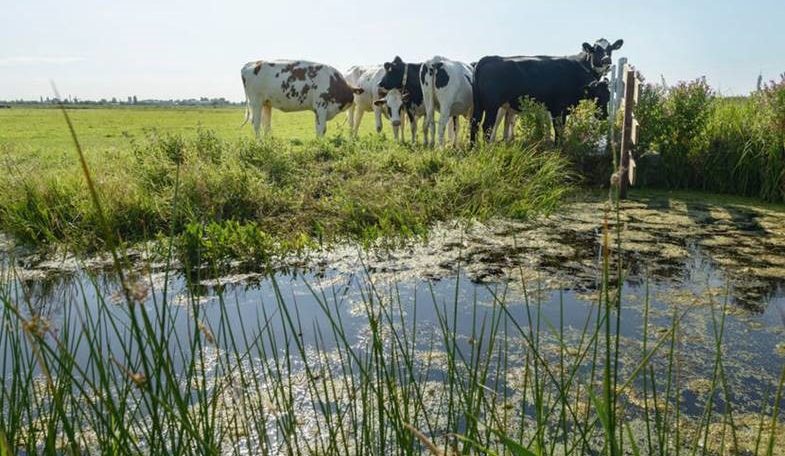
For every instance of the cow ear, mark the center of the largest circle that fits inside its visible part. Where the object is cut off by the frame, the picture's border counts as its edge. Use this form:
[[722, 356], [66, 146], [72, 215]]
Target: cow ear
[[588, 48], [617, 45], [387, 66], [379, 102]]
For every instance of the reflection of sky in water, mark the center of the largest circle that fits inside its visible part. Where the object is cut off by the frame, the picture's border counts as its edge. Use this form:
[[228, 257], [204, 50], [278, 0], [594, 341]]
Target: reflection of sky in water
[[750, 339]]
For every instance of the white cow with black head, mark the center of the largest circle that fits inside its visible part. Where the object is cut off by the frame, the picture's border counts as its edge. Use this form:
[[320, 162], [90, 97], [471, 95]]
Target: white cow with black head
[[368, 78], [294, 85], [446, 88], [401, 91]]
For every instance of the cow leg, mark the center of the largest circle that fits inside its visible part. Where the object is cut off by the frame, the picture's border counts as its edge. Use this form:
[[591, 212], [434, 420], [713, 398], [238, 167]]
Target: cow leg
[[256, 116], [358, 118], [490, 123], [267, 115], [501, 114], [377, 115], [559, 120], [474, 124], [402, 128], [427, 122], [426, 126], [432, 129], [509, 124], [444, 119], [321, 122], [413, 127], [350, 116], [455, 130]]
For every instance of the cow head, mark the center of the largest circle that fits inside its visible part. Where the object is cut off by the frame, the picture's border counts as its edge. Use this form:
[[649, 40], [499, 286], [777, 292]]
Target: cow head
[[599, 54], [395, 101], [600, 92], [393, 74]]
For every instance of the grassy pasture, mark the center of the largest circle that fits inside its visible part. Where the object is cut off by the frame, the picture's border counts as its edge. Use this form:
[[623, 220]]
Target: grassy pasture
[[43, 129]]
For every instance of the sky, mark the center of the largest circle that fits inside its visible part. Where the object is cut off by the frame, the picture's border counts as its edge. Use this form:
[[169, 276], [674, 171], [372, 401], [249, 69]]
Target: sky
[[96, 49]]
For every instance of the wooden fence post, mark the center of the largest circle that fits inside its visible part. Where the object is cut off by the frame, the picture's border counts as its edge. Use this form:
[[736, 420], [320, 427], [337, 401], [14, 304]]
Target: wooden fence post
[[629, 131]]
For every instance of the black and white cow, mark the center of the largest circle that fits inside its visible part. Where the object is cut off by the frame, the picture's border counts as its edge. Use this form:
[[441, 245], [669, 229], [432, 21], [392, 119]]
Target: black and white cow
[[368, 78], [294, 85], [401, 88], [557, 82], [446, 87]]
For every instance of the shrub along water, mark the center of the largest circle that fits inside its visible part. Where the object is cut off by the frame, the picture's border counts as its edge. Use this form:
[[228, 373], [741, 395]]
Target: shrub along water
[[704, 141]]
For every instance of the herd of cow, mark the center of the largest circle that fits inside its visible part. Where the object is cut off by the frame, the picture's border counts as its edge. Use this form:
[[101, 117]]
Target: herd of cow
[[487, 92]]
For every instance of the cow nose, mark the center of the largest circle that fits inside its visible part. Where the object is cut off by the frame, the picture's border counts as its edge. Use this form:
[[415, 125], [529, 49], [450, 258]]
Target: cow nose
[[396, 123]]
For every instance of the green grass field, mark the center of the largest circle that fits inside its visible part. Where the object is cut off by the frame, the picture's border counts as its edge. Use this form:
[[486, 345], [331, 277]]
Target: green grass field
[[101, 128]]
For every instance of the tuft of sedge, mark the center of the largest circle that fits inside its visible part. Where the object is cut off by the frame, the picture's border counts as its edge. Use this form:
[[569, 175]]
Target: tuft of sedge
[[432, 448], [37, 326], [615, 179], [137, 378], [208, 335]]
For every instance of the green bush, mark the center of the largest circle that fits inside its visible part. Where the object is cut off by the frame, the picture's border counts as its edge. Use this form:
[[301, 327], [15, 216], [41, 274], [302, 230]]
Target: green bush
[[722, 144], [533, 125], [581, 143]]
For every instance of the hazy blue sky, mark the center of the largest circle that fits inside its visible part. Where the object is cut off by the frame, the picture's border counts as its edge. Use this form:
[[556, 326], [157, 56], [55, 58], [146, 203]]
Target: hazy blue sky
[[164, 49]]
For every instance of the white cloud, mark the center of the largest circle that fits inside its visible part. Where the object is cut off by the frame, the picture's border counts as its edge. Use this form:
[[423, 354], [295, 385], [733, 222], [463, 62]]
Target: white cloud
[[30, 60]]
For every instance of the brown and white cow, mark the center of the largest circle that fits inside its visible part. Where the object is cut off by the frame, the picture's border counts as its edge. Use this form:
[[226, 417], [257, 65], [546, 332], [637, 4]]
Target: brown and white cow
[[294, 85]]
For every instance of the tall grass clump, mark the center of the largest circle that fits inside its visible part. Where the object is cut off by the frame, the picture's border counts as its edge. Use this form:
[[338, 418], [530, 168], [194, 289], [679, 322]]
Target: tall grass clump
[[722, 144]]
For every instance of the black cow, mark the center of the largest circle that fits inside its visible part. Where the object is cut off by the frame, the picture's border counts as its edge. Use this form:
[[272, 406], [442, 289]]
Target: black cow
[[409, 87], [600, 92], [557, 82]]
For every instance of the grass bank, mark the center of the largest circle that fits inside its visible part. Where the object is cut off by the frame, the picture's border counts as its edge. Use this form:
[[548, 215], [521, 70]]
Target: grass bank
[[242, 197]]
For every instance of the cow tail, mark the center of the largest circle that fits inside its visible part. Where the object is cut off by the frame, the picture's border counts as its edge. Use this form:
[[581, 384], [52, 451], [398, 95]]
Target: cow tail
[[477, 109], [247, 104], [432, 95]]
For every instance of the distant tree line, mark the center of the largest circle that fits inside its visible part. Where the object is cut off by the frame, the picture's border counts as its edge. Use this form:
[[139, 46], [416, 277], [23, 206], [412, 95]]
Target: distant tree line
[[114, 101]]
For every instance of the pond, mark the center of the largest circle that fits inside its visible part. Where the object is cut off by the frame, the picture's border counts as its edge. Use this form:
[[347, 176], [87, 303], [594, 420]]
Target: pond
[[503, 297]]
